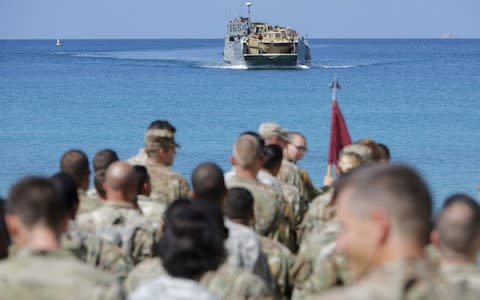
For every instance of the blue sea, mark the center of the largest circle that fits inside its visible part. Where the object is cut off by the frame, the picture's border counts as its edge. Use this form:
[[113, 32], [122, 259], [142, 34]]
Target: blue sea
[[419, 97]]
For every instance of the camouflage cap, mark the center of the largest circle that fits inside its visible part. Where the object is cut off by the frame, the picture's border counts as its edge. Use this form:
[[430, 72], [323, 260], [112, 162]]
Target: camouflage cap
[[364, 151], [269, 129], [157, 138]]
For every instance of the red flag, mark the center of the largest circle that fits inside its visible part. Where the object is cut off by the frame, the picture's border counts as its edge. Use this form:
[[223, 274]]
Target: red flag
[[339, 136]]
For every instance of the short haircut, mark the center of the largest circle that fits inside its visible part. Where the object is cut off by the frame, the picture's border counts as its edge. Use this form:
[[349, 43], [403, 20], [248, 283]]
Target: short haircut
[[272, 157], [459, 231], [384, 151], [208, 182], [4, 236], [75, 163], [67, 190], [98, 182], [162, 124], [400, 191], [376, 155], [239, 204], [296, 133], [256, 135], [35, 201], [103, 159], [141, 177], [247, 151], [192, 243]]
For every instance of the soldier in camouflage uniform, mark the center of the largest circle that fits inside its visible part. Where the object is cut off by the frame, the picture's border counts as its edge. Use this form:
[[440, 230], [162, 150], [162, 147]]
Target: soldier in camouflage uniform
[[167, 185], [239, 207], [101, 161], [323, 206], [318, 267], [151, 209], [39, 269], [289, 173], [457, 236], [247, 161], [141, 158], [385, 212], [83, 244], [75, 163], [227, 282], [294, 152], [118, 220]]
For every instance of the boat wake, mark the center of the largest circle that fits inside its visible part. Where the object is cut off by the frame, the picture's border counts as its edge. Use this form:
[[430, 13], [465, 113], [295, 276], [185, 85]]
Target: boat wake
[[337, 66]]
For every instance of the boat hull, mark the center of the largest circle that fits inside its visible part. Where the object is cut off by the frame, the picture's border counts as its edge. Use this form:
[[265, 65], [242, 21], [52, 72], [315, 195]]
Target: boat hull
[[277, 59]]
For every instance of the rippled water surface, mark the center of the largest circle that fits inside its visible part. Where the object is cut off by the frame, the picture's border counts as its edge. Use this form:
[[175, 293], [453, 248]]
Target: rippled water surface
[[420, 97]]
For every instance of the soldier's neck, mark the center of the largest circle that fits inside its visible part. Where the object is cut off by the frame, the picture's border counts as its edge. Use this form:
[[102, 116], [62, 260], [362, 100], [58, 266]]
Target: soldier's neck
[[399, 249], [450, 257], [246, 173], [39, 238]]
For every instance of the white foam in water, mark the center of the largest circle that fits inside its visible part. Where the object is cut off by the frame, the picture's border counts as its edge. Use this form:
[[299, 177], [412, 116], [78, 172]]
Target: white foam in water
[[232, 67], [337, 67]]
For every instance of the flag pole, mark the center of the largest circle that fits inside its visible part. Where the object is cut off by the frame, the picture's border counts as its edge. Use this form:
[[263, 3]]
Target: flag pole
[[334, 86]]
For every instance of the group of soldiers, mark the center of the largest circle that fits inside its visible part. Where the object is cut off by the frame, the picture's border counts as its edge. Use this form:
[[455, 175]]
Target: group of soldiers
[[261, 230]]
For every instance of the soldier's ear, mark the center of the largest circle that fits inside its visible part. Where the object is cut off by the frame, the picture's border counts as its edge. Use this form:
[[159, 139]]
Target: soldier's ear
[[233, 160], [382, 225], [14, 226]]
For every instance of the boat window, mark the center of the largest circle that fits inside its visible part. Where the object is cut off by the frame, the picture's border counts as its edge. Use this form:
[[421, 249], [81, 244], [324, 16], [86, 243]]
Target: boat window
[[232, 39]]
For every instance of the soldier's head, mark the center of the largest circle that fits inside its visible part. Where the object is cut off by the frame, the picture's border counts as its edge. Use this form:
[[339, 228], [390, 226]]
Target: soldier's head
[[192, 242], [4, 237], [272, 133], [120, 182], [162, 124], [384, 152], [272, 159], [239, 206], [75, 163], [457, 228], [160, 146], [103, 159], [376, 154], [35, 214], [67, 190], [348, 161], [142, 179], [384, 212], [297, 147], [247, 154], [208, 183]]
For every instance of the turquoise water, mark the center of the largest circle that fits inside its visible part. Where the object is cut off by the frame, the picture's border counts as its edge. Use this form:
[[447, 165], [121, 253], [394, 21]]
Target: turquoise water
[[420, 97]]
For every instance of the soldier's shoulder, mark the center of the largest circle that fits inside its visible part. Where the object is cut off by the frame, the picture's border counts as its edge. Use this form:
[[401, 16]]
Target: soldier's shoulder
[[144, 271]]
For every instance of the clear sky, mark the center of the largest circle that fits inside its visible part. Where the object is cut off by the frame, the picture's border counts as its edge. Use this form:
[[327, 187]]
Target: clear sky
[[207, 19]]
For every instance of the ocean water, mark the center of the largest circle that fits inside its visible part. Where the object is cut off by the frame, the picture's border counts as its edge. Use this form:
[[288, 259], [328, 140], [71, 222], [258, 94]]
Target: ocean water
[[419, 97]]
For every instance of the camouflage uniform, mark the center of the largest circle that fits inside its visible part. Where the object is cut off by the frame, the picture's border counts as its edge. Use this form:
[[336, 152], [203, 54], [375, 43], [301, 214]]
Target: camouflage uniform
[[54, 275], [318, 267], [289, 173], [269, 220], [123, 225], [167, 185], [318, 213], [280, 262], [402, 279], [151, 210], [462, 274], [310, 189], [227, 282], [96, 251], [86, 203], [166, 287], [140, 159], [244, 251]]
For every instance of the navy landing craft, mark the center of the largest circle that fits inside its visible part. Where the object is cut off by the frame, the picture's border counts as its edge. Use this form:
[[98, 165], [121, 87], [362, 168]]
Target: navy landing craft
[[256, 44]]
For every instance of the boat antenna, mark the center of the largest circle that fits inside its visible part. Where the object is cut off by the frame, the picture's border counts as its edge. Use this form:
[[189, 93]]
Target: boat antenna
[[335, 85], [248, 4]]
